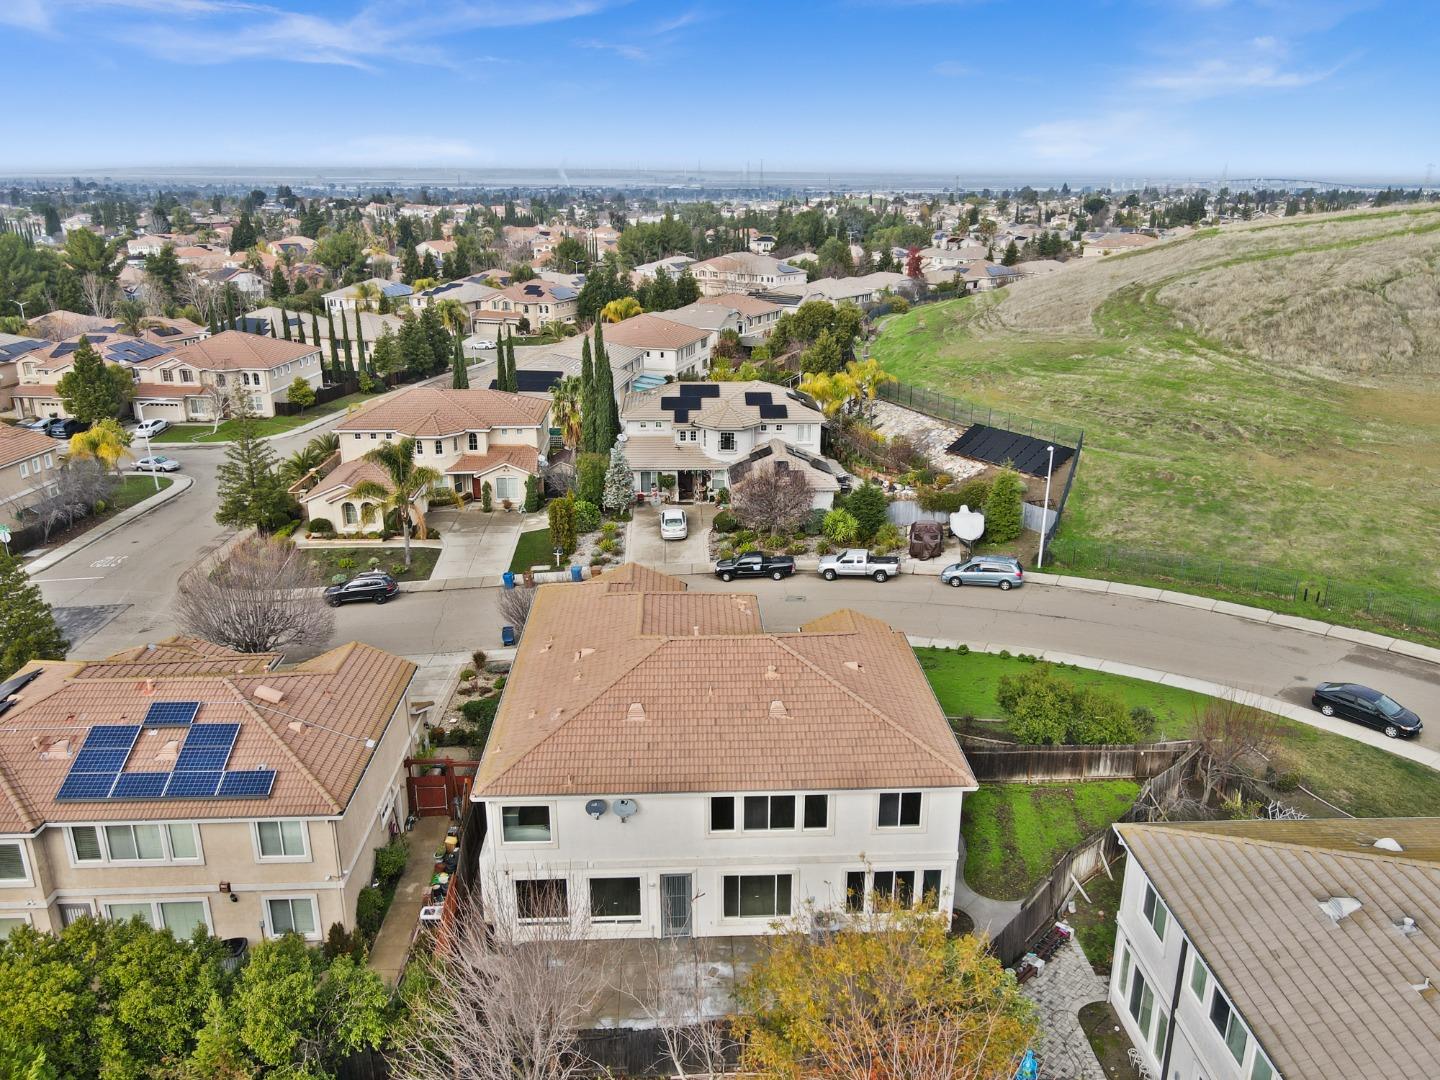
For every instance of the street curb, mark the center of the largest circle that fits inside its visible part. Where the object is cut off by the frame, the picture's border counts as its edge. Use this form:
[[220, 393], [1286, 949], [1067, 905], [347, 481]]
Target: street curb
[[301, 430], [1399, 747], [178, 487]]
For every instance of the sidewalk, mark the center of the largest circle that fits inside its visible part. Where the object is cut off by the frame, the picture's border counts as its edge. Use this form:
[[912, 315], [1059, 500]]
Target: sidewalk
[[392, 944], [180, 485]]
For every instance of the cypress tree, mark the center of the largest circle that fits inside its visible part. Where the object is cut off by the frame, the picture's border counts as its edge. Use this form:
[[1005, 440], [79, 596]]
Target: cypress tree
[[360, 342], [587, 398], [285, 324], [459, 376], [349, 360], [273, 332], [229, 309], [334, 344], [511, 383], [299, 327], [315, 335]]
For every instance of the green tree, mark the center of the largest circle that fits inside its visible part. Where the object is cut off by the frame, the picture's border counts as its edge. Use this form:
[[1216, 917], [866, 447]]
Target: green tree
[[252, 494], [587, 397], [28, 630], [835, 258], [867, 504], [408, 486], [532, 494], [335, 366], [386, 358], [459, 369], [687, 289], [86, 253], [569, 256], [561, 513], [1003, 515], [284, 319], [1011, 256], [164, 271], [824, 356], [279, 286], [607, 412], [487, 497], [590, 469], [93, 390], [619, 483], [243, 236], [301, 394]]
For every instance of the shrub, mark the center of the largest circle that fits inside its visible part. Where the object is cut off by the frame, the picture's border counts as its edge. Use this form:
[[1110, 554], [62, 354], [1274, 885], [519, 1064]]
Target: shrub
[[287, 529], [345, 563], [607, 546], [866, 504], [888, 538], [322, 526], [796, 547], [478, 658], [725, 522], [481, 713], [590, 472], [390, 861], [898, 305], [561, 513], [1044, 708], [1003, 517], [1145, 721], [609, 529], [370, 908], [1285, 783], [841, 527], [943, 502], [667, 481], [745, 536], [745, 549], [340, 942], [814, 523], [822, 547], [587, 517], [724, 551], [973, 493], [722, 497], [532, 494], [499, 684]]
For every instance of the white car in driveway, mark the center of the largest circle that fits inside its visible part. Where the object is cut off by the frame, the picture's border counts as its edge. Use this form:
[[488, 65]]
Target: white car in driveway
[[148, 429], [674, 525], [158, 463]]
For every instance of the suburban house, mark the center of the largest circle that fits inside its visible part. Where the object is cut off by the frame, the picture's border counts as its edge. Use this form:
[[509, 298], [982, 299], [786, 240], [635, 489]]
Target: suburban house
[[189, 785], [28, 459], [761, 243], [250, 285], [316, 331], [12, 348], [471, 437], [436, 249], [298, 246], [673, 265], [40, 370], [861, 291], [661, 766], [210, 379], [471, 293], [696, 431], [348, 297], [749, 316], [531, 303], [745, 272], [1109, 243], [669, 349], [776, 455], [1259, 950]]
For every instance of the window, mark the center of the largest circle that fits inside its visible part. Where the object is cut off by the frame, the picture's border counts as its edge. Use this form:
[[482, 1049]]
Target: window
[[168, 375], [722, 814], [769, 812], [931, 888], [542, 898], [525, 824], [1158, 1043], [1142, 1002], [474, 440], [1199, 978], [900, 810], [126, 912], [855, 890], [70, 913], [1155, 911], [1124, 967], [757, 896], [186, 375], [348, 513], [1230, 1027], [182, 841], [181, 917], [134, 842], [817, 811], [49, 461], [896, 886], [24, 469], [12, 863], [281, 839], [615, 899], [292, 915], [1260, 1068], [727, 440], [439, 446]]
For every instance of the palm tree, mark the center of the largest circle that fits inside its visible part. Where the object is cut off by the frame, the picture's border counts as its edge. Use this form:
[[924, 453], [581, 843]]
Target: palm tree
[[106, 442], [831, 392], [627, 307], [130, 317], [365, 294], [565, 403], [409, 483], [325, 444], [299, 464], [453, 314], [868, 376]]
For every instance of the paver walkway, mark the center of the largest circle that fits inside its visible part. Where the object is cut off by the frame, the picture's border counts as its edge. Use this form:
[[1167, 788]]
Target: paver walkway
[[1067, 982], [392, 943]]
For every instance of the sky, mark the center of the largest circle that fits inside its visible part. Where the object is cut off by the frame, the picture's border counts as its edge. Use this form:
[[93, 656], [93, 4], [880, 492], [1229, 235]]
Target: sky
[[1309, 89]]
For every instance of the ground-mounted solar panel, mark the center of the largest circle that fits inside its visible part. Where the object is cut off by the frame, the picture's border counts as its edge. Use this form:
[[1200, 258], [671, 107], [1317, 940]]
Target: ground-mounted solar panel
[[247, 783], [140, 785], [171, 713], [757, 397], [112, 736], [193, 785], [86, 787], [770, 411]]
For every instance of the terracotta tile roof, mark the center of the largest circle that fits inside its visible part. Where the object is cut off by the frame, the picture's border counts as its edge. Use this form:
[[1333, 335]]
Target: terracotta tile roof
[[651, 452], [750, 306], [424, 410], [1324, 999], [524, 458], [627, 683], [335, 485], [231, 350], [17, 444], [315, 737], [145, 390], [652, 332]]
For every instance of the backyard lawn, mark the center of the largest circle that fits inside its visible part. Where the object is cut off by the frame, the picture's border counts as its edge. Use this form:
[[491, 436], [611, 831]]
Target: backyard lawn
[[348, 561], [268, 425], [1015, 833], [533, 549]]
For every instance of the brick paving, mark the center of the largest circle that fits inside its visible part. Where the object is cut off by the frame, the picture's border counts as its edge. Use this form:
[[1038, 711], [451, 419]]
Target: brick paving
[[1067, 982]]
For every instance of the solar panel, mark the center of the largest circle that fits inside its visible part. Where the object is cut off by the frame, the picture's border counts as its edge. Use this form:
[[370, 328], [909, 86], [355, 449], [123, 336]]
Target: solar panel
[[757, 397], [253, 783], [111, 735], [670, 404], [200, 758], [700, 390], [140, 785], [682, 416], [171, 713], [85, 787], [763, 452], [95, 760], [212, 735], [773, 412], [192, 785], [19, 682]]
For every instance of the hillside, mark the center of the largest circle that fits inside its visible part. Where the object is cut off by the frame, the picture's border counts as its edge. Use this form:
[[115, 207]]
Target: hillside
[[1265, 393]]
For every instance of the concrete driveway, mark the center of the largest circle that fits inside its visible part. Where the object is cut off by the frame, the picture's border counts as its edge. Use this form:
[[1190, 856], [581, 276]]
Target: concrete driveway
[[476, 544], [643, 543]]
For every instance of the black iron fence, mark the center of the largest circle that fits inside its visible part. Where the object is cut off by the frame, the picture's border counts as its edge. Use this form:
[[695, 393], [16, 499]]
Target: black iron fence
[[964, 413]]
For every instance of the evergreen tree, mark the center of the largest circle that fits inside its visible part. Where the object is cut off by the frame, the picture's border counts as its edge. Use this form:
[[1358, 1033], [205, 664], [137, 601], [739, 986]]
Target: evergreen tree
[[415, 348], [427, 266], [285, 324], [278, 285], [315, 335], [229, 308], [1011, 256], [345, 332], [587, 398], [360, 344], [27, 625], [619, 483], [93, 390], [459, 374], [409, 266], [250, 488], [300, 328], [607, 414], [335, 367]]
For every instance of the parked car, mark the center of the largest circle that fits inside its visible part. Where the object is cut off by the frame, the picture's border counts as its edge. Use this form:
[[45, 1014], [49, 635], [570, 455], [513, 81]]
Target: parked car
[[857, 562], [37, 423], [63, 429], [755, 564], [1352, 701], [148, 429], [482, 344], [375, 586], [999, 570], [927, 540], [674, 525], [158, 463]]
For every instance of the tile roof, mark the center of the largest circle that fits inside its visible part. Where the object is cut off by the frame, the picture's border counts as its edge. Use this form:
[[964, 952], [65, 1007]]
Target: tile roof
[[725, 705], [747, 305], [524, 458], [318, 738], [728, 410], [767, 455], [1324, 999], [652, 332], [17, 444], [346, 476], [424, 410], [231, 350], [650, 452]]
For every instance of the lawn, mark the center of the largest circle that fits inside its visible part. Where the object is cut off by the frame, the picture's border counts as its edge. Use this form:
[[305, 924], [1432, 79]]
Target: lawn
[[349, 561], [268, 425], [533, 549], [966, 684], [1015, 833], [134, 488]]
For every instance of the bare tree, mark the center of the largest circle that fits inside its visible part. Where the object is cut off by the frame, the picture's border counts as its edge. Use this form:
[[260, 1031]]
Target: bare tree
[[688, 1004], [224, 399], [200, 293], [515, 606], [505, 1002], [99, 293], [772, 499], [1229, 733], [262, 598], [78, 487]]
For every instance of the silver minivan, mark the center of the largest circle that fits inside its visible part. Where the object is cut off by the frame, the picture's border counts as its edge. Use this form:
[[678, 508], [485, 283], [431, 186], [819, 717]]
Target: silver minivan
[[1002, 571]]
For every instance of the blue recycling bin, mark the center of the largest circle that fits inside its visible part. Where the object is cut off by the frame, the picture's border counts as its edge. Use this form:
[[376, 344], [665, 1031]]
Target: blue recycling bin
[[508, 577], [574, 573], [507, 636]]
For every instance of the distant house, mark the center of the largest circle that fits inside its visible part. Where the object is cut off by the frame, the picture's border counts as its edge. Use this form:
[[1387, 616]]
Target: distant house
[[745, 272], [536, 302], [250, 285], [860, 291], [191, 383], [40, 370], [471, 293], [366, 325], [436, 249], [749, 316], [28, 460], [299, 246], [669, 348], [12, 348], [674, 265], [347, 298], [1097, 245]]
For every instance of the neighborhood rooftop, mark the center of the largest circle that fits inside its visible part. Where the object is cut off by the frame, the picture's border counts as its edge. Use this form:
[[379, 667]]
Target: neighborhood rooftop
[[425, 410]]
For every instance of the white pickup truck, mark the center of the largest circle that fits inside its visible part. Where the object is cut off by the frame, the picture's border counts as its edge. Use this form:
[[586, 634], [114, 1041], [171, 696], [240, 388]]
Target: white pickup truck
[[858, 562]]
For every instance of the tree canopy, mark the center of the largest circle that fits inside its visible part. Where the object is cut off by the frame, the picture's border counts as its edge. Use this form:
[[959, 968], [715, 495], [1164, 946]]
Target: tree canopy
[[28, 630], [93, 390]]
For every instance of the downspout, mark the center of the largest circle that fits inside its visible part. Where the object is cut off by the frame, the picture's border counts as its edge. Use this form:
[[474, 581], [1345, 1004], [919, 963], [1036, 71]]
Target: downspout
[[1174, 1000]]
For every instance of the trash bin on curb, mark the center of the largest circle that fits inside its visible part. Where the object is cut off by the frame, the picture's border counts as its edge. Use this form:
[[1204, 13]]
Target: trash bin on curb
[[508, 577], [574, 572]]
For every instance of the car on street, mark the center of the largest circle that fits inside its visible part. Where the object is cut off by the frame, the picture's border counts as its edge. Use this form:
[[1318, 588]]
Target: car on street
[[158, 463], [674, 525], [858, 562], [1002, 571], [482, 345], [148, 429], [755, 564], [63, 429], [1351, 701], [375, 586]]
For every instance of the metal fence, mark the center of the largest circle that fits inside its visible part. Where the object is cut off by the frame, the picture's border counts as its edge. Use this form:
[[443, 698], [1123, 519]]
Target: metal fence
[[963, 413]]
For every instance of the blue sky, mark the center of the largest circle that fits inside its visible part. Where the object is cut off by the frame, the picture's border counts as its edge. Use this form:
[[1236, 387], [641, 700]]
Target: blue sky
[[1164, 88]]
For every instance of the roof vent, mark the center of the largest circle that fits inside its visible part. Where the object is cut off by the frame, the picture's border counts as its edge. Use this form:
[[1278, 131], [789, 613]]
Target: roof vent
[[635, 712], [581, 654], [1338, 907], [771, 672], [268, 693], [297, 727], [695, 630], [854, 665], [1388, 843], [777, 710], [148, 686], [1406, 926], [52, 748]]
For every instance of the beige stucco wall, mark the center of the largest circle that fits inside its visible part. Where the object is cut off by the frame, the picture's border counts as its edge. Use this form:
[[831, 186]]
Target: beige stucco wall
[[16, 491]]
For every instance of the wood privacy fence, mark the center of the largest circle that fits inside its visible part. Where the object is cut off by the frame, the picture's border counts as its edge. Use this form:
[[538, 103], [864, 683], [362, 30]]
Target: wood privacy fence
[[996, 762], [1080, 862]]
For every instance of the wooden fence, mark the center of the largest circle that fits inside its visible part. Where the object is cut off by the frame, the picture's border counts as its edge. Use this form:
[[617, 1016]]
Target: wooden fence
[[993, 761]]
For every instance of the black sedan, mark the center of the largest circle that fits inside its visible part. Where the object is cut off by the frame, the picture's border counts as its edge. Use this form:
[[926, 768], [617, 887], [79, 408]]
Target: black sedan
[[1365, 706], [755, 564], [377, 588]]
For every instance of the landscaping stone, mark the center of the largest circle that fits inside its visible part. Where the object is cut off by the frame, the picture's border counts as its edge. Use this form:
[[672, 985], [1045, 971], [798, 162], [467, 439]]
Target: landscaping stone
[[928, 435]]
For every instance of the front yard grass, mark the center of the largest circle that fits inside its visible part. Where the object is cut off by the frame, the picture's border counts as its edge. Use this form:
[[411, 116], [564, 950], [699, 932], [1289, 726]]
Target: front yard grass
[[1362, 780], [268, 425], [136, 488], [328, 561], [533, 549], [1014, 833]]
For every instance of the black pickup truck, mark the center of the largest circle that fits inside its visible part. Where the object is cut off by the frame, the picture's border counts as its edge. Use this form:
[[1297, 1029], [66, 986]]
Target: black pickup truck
[[755, 564]]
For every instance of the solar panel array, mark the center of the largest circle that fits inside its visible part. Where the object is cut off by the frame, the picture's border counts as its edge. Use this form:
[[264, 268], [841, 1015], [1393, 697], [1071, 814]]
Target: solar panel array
[[690, 399], [133, 352], [171, 713], [1001, 447], [17, 348]]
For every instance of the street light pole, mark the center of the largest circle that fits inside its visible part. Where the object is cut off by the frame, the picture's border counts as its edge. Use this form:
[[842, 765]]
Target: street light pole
[[154, 473], [1045, 510]]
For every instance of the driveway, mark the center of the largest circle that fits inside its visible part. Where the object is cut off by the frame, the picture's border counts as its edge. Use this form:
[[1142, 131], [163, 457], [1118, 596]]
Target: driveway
[[476, 544], [643, 544]]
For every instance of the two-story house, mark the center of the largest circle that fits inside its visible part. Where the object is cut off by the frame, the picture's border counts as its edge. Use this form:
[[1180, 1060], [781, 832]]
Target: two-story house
[[208, 379], [471, 437], [40, 370], [28, 460], [12, 348], [698, 431], [661, 766], [471, 293], [525, 307], [1260, 950], [669, 349], [745, 272], [189, 785], [348, 297]]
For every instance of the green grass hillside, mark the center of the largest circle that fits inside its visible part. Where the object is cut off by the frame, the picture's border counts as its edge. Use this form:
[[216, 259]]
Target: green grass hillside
[[1265, 393]]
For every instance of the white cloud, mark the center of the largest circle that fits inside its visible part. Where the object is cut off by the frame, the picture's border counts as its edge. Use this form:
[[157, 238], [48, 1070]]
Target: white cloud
[[952, 69], [1216, 76]]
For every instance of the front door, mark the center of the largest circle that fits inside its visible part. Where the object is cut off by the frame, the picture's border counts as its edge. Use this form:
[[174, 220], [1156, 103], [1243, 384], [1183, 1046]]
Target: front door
[[685, 488], [675, 905]]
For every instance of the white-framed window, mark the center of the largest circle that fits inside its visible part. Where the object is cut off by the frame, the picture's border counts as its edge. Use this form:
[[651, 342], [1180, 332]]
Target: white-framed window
[[614, 899], [14, 867], [727, 441], [180, 917], [1228, 1023], [815, 813], [473, 440], [769, 812], [281, 840], [176, 842], [24, 469], [1260, 1068], [900, 810], [292, 915], [542, 899], [439, 446], [1142, 1003], [893, 886], [756, 896], [526, 824], [10, 923], [49, 461], [1199, 979], [74, 910], [1155, 911]]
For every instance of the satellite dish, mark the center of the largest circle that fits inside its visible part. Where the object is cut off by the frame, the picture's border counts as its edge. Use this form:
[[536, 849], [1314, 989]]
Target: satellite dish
[[967, 524], [596, 808], [625, 809]]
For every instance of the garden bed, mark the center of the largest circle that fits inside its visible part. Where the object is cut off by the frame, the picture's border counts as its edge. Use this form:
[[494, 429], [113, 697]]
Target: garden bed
[[346, 562], [1107, 1038], [132, 489]]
